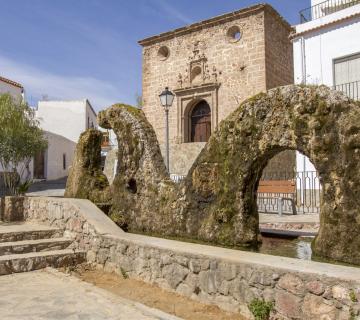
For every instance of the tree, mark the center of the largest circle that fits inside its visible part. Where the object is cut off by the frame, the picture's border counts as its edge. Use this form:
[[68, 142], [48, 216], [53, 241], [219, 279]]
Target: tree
[[20, 139]]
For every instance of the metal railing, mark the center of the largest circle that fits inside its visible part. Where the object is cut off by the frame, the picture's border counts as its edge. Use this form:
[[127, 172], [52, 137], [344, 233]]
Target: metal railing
[[325, 8], [305, 198], [351, 89], [177, 177]]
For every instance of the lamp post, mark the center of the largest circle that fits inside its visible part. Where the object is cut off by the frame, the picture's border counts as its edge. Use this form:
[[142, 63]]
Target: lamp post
[[166, 99]]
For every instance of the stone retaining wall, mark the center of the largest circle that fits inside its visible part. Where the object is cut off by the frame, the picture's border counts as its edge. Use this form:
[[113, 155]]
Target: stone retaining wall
[[228, 278]]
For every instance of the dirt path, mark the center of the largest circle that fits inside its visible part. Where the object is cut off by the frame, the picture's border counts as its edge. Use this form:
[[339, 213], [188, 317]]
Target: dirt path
[[153, 296]]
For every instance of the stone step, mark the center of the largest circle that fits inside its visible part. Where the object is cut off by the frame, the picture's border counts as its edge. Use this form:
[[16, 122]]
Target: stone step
[[39, 245], [24, 231], [38, 260]]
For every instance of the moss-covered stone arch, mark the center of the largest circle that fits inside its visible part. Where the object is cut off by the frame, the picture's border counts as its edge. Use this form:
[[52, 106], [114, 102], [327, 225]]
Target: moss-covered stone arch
[[216, 202], [322, 124]]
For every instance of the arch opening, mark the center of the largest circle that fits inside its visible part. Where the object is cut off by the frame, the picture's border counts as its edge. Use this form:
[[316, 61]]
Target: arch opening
[[285, 189]]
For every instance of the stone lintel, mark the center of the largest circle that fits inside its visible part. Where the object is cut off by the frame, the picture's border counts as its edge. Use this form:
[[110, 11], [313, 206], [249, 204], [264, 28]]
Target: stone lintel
[[195, 89]]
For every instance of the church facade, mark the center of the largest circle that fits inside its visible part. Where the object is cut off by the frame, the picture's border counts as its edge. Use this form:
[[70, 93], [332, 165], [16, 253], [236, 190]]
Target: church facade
[[212, 66]]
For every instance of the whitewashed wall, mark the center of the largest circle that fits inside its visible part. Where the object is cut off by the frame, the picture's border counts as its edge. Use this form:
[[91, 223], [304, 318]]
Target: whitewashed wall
[[57, 147], [66, 118], [322, 47]]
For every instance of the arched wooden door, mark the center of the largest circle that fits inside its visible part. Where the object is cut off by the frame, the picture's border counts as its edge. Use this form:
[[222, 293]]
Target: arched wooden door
[[200, 122]]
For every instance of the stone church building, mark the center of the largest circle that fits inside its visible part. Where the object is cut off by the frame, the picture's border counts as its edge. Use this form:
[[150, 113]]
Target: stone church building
[[212, 66]]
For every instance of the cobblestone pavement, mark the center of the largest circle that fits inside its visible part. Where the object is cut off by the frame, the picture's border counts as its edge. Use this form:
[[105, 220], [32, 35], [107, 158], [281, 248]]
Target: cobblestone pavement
[[49, 294]]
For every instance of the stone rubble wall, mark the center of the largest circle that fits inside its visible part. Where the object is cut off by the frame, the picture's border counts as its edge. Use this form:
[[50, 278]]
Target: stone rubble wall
[[230, 279]]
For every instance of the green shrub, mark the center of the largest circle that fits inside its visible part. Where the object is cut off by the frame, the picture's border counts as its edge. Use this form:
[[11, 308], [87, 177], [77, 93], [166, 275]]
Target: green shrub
[[261, 309], [352, 295]]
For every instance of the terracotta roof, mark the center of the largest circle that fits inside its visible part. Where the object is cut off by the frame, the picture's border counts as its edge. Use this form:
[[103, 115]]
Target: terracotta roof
[[13, 83], [211, 22]]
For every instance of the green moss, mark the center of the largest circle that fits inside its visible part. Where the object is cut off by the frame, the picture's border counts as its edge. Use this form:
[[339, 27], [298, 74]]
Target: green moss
[[255, 98], [129, 108]]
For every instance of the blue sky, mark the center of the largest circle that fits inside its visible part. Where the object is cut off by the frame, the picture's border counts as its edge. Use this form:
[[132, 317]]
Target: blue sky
[[75, 49]]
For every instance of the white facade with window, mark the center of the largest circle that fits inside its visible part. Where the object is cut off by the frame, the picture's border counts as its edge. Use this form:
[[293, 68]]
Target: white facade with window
[[327, 50], [56, 159], [63, 121]]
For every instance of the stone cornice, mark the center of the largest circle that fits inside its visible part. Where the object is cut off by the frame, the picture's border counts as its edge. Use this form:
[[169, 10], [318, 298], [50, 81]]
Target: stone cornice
[[211, 22]]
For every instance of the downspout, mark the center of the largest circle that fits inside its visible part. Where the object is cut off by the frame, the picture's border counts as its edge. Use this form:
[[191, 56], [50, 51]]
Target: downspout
[[303, 61]]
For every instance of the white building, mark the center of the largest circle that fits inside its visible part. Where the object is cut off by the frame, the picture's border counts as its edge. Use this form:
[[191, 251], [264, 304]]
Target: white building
[[55, 161], [66, 118], [13, 88], [63, 122], [327, 50]]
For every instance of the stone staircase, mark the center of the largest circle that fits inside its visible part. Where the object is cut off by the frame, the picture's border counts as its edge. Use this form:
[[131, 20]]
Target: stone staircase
[[26, 247]]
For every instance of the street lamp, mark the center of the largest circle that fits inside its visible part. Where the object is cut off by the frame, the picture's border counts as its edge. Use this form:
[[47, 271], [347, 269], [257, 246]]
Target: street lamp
[[166, 99]]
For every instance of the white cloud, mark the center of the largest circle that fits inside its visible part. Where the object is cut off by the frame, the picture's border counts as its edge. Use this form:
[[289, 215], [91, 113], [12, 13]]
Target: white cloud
[[38, 82]]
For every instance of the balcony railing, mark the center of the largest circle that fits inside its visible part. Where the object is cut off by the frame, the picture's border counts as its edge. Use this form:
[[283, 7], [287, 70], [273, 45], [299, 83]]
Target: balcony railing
[[351, 89], [325, 8]]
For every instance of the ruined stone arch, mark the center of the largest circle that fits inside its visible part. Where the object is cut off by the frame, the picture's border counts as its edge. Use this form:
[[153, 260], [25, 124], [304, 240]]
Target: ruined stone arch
[[217, 200], [323, 125]]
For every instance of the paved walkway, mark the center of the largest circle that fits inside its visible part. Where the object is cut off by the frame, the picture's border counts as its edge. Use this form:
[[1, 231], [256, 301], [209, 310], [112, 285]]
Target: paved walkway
[[53, 188], [49, 294]]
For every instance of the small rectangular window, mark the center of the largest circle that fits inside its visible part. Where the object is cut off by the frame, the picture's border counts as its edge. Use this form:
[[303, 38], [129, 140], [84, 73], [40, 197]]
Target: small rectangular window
[[64, 161]]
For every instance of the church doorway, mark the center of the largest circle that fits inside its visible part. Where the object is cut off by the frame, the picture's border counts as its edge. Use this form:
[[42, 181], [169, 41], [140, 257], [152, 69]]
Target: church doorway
[[200, 122]]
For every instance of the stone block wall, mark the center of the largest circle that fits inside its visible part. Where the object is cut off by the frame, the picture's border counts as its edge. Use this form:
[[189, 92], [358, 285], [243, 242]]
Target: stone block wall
[[261, 59], [182, 156], [228, 278], [278, 61]]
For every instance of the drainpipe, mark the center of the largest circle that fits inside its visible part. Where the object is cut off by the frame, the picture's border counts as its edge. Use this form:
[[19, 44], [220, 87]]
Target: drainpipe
[[303, 61], [303, 81]]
